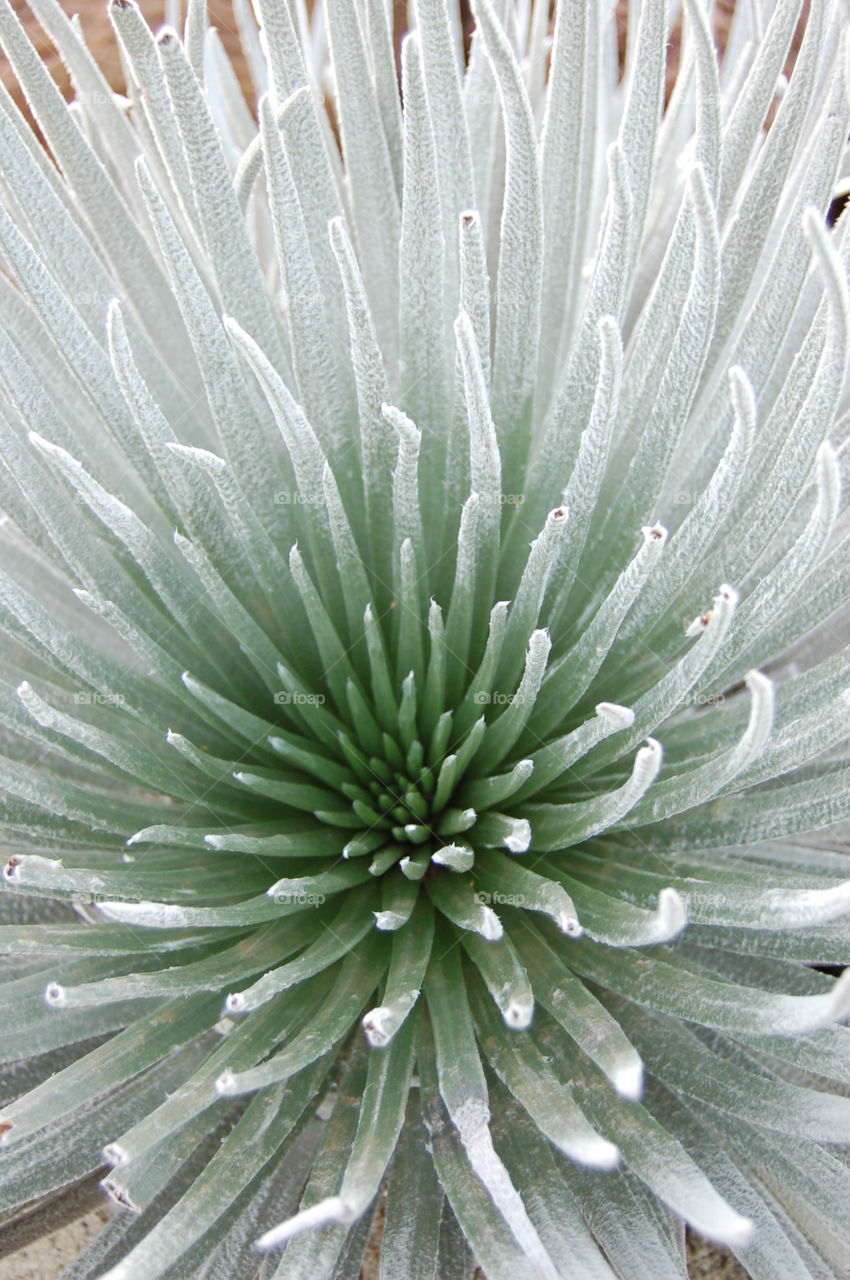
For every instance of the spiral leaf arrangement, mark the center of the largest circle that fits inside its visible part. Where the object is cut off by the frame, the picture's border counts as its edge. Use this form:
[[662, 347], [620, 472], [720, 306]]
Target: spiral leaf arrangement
[[363, 470]]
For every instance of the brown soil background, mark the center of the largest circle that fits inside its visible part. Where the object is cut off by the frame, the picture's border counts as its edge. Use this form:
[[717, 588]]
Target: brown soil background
[[99, 35]]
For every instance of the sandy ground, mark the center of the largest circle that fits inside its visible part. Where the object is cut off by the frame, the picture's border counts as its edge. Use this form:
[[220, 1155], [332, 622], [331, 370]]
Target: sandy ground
[[48, 1256]]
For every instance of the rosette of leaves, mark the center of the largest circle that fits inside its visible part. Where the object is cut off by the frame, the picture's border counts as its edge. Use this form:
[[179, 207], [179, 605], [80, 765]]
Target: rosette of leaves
[[363, 471]]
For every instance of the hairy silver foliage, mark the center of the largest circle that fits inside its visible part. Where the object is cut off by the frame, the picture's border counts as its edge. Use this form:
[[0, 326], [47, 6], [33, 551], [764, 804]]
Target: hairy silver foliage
[[376, 815]]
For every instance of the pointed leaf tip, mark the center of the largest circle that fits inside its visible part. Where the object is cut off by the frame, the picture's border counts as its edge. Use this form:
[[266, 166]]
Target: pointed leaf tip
[[621, 717], [628, 1079]]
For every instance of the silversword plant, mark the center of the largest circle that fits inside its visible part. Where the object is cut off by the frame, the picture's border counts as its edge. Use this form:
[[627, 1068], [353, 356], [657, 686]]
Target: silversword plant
[[424, 697]]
